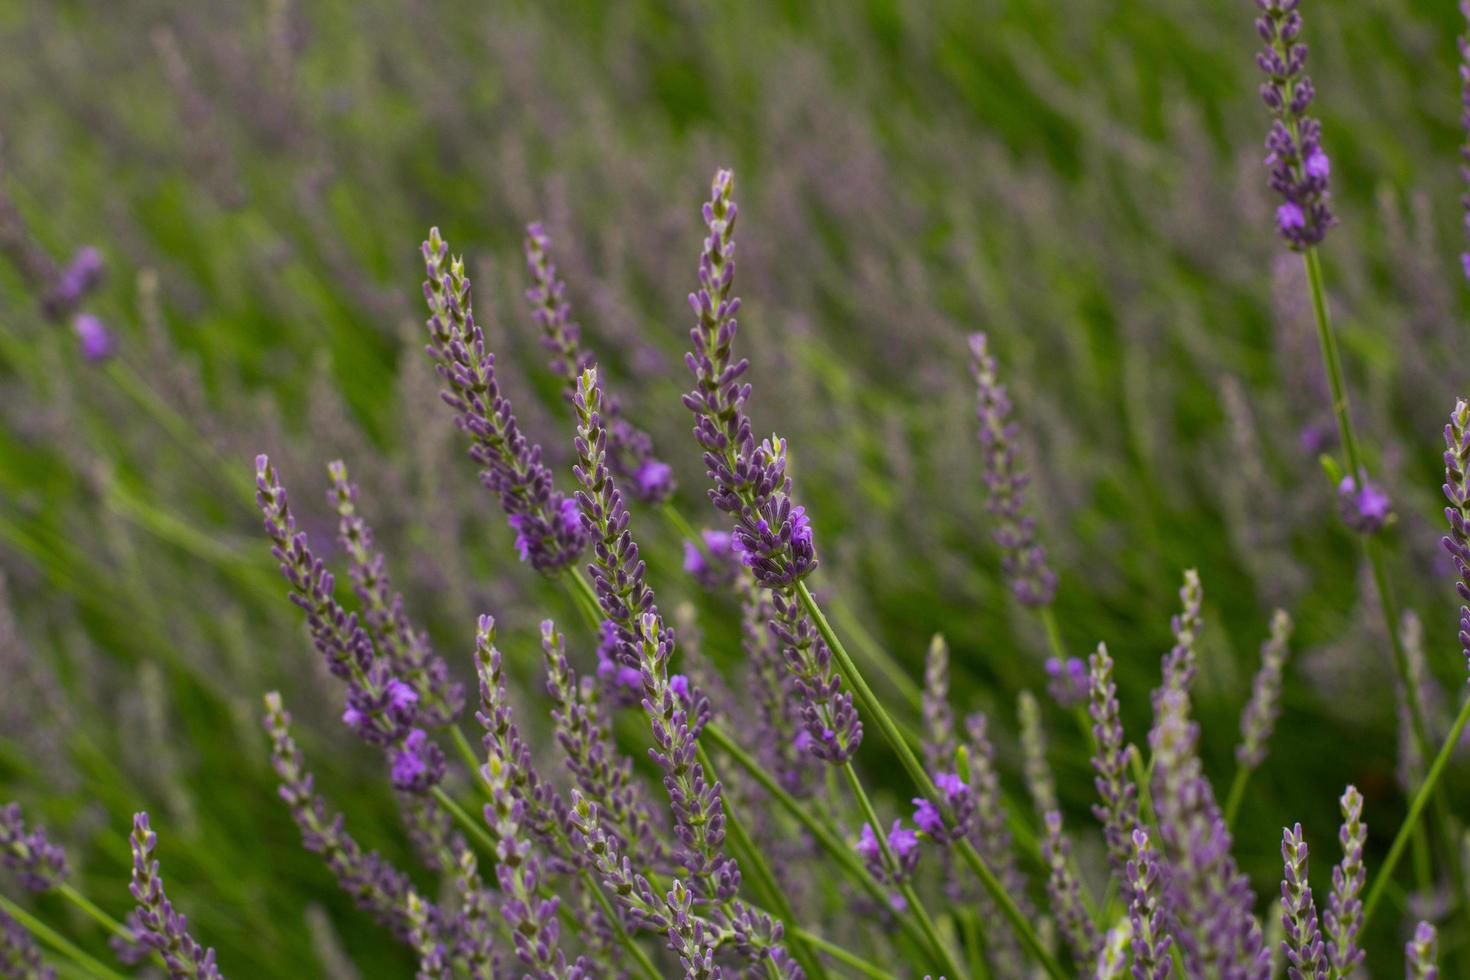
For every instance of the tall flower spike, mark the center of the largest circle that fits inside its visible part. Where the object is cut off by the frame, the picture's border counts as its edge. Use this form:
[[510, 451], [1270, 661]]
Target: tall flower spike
[[1064, 892], [1305, 956], [1180, 662], [939, 740], [433, 957], [1258, 719], [381, 708], [1464, 45], [39, 864], [1344, 907], [782, 740], [1039, 780], [410, 657], [1457, 491], [1117, 809], [644, 476], [1298, 164], [20, 957], [1145, 886], [156, 923], [1023, 559], [991, 836], [548, 535], [648, 644], [1420, 954], [378, 888]]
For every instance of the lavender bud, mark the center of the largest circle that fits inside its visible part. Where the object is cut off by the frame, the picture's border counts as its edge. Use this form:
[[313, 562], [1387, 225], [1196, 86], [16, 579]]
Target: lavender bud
[[1039, 779], [1023, 559], [157, 924], [1064, 893], [1420, 954], [1364, 506], [93, 338], [1344, 909], [1303, 943], [1067, 681], [1117, 809], [548, 535], [1299, 168], [1258, 719], [39, 864], [1151, 939], [1180, 662], [903, 844], [1457, 491]]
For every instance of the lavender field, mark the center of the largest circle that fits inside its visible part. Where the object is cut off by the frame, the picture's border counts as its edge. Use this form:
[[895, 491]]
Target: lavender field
[[963, 488]]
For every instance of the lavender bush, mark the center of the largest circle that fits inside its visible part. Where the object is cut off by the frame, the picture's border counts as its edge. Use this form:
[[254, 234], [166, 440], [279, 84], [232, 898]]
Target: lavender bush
[[907, 687]]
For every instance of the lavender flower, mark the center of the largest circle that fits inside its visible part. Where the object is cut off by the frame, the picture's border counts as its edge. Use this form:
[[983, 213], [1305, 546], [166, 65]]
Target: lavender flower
[[474, 945], [959, 800], [157, 924], [1067, 681], [604, 776], [433, 958], [1023, 559], [991, 837], [1457, 490], [20, 957], [93, 337], [411, 660], [939, 740], [1303, 944], [1420, 954], [376, 886], [1299, 167], [1209, 899], [1180, 662], [1039, 780], [1344, 909], [1364, 506], [1064, 893], [381, 708], [77, 280], [1112, 954], [1117, 809], [904, 845], [713, 561], [1258, 719], [548, 535], [646, 643], [781, 739], [1464, 45], [630, 450], [39, 864], [750, 481], [1145, 886]]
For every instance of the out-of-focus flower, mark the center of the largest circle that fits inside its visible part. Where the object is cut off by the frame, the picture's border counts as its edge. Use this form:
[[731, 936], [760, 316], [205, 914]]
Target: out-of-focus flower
[[37, 862], [1067, 681], [712, 562], [93, 337], [1364, 506]]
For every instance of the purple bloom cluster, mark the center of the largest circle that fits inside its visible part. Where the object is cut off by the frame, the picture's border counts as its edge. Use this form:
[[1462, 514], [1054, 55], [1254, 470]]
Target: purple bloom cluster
[[1117, 809], [1064, 892], [647, 644], [712, 560], [1259, 717], [1067, 681], [1464, 45], [1344, 909], [630, 450], [1179, 663], [155, 922], [781, 738], [95, 340], [37, 862], [1023, 559], [1364, 505], [1457, 491], [1303, 943], [1420, 954], [382, 708], [548, 535], [1299, 166], [903, 844], [1146, 912], [959, 800]]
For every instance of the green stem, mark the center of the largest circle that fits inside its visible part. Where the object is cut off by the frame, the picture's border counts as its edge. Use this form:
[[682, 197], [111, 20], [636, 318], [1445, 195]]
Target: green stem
[[67, 891], [615, 921], [473, 827], [1426, 789], [921, 779], [57, 941], [1236, 794], [890, 860], [1053, 633], [841, 955]]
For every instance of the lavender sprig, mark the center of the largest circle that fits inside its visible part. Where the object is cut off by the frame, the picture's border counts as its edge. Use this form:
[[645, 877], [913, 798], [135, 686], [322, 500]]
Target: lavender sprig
[[648, 644], [1180, 663], [1064, 892], [1040, 782], [1421, 954], [37, 862], [374, 884], [156, 923], [1146, 890], [474, 948], [991, 837], [782, 741], [1303, 944], [1258, 719], [433, 958], [1299, 167], [1344, 909], [1117, 809], [548, 534], [1457, 491], [939, 740], [1463, 42], [407, 650], [20, 957], [381, 708], [1023, 558], [630, 450]]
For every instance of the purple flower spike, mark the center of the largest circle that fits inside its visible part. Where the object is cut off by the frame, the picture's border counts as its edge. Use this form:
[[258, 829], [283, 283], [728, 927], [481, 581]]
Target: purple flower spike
[[548, 536], [1117, 809], [1258, 719], [1067, 681], [74, 283], [959, 800], [39, 864], [939, 740], [1303, 947], [630, 456], [1299, 166], [1040, 782], [1179, 663], [93, 337], [156, 923], [1420, 954], [991, 836], [1064, 892], [1023, 559], [1151, 939], [1457, 491], [19, 955], [712, 562], [1464, 45], [1364, 506], [1344, 909], [904, 845]]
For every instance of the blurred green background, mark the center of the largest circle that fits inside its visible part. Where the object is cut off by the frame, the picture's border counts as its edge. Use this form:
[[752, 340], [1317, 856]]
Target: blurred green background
[[1081, 180]]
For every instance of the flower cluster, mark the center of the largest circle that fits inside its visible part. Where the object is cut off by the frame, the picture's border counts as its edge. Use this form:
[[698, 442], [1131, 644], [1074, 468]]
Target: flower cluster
[[29, 853], [548, 535], [1259, 717], [1364, 505], [1303, 943], [1299, 166], [712, 560], [1457, 514], [155, 922]]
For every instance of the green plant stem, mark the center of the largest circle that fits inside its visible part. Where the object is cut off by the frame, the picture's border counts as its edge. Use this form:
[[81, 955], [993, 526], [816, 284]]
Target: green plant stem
[[1421, 798], [69, 892], [1053, 633], [841, 955], [1237, 793], [921, 779], [58, 942], [461, 816]]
